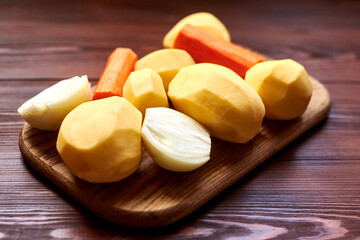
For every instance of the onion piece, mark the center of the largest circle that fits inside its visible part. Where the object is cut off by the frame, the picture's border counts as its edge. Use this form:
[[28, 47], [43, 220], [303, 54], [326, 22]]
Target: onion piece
[[175, 141], [47, 110]]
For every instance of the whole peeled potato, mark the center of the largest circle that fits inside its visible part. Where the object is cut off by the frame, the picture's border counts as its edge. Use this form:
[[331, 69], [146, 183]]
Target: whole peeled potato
[[100, 141], [202, 20], [283, 85], [220, 100]]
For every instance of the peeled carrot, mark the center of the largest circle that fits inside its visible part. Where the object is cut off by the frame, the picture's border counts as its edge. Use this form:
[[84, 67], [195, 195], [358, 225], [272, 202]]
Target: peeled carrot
[[205, 48], [118, 68]]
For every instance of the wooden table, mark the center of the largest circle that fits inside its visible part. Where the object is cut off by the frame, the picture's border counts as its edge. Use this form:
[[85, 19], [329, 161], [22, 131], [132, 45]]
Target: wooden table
[[310, 189]]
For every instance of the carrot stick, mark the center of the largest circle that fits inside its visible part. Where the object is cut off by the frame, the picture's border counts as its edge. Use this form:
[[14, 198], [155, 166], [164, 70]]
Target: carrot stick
[[205, 48], [119, 66]]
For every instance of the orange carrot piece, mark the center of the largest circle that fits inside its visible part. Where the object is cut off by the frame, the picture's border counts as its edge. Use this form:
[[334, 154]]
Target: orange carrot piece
[[205, 48], [118, 68]]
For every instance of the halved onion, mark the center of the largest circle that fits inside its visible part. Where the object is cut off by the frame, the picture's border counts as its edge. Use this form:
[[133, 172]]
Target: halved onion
[[175, 141], [48, 109]]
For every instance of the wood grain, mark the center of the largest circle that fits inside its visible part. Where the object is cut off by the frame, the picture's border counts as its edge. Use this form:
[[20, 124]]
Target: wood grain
[[310, 188], [154, 197]]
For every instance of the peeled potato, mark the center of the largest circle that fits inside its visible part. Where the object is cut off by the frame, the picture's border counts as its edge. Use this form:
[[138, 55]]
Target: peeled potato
[[144, 88], [202, 20], [220, 100], [100, 141], [166, 62], [284, 87], [48, 109], [175, 141]]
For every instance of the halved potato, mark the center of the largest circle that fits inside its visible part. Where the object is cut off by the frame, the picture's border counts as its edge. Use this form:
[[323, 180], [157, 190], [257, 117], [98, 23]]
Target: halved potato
[[144, 89]]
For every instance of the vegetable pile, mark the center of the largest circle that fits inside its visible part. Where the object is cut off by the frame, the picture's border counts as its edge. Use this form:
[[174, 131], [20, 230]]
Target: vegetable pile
[[216, 88]]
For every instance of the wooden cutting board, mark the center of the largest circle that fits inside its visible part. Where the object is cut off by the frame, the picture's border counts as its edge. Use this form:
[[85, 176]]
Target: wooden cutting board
[[153, 196]]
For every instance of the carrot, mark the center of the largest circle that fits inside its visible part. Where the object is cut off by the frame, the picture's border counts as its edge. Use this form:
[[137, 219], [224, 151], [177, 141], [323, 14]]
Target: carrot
[[205, 48], [119, 66]]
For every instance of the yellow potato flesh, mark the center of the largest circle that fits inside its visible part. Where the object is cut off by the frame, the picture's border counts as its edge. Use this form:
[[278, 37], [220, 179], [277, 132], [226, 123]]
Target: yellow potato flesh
[[100, 141], [166, 62], [202, 20], [284, 87], [220, 100], [144, 89]]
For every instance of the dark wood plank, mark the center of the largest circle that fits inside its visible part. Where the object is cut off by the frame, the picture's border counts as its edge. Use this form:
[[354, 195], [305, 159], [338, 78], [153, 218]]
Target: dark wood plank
[[53, 40]]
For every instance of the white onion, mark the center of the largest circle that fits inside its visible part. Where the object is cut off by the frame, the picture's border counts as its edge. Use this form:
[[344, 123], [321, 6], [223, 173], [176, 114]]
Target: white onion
[[175, 141], [48, 109]]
